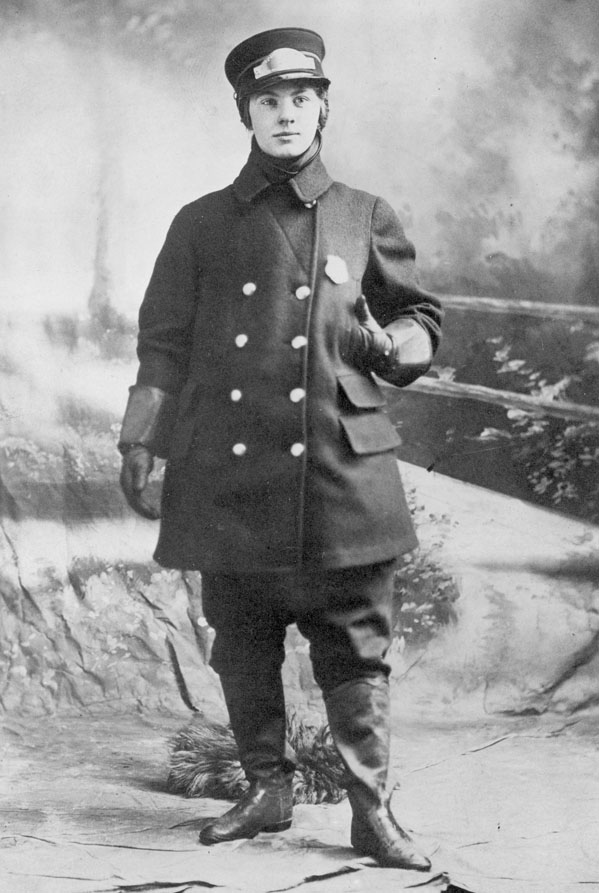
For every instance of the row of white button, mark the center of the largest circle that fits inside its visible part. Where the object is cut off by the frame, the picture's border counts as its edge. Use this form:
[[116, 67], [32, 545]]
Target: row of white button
[[301, 293], [296, 395], [299, 341], [296, 449]]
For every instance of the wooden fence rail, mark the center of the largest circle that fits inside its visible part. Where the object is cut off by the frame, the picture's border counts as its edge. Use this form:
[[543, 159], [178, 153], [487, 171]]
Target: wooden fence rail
[[557, 408], [562, 409], [565, 312]]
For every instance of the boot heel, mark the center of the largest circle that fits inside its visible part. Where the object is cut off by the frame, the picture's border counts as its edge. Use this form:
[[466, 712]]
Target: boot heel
[[278, 826]]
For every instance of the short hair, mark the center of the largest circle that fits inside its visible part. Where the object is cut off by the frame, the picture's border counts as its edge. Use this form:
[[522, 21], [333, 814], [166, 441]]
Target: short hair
[[321, 90]]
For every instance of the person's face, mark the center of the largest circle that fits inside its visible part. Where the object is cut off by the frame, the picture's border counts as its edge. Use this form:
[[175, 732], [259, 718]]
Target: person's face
[[285, 118]]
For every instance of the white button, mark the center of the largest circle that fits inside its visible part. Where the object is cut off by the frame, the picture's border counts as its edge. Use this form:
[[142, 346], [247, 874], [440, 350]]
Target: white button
[[302, 292], [249, 289], [239, 449], [299, 341], [241, 340], [309, 204], [297, 394], [297, 449], [236, 395]]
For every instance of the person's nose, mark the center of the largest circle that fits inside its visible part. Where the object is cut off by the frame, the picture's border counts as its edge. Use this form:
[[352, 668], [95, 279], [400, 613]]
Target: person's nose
[[286, 111]]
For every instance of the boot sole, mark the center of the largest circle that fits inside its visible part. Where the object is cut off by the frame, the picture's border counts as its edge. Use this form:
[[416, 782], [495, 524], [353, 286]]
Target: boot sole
[[389, 862], [369, 847], [273, 829], [208, 839]]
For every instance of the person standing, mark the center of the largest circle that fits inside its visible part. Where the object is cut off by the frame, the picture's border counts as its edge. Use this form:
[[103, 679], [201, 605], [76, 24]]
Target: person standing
[[272, 306]]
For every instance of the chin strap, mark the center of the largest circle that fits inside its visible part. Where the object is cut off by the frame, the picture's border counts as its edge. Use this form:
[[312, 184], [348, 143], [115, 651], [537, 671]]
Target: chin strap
[[281, 170]]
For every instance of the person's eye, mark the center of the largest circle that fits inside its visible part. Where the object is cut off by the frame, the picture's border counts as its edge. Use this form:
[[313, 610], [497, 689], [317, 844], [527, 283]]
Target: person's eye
[[300, 100], [268, 101]]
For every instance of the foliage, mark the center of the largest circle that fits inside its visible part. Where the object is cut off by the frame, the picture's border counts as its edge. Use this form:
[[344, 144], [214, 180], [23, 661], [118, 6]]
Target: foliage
[[563, 464], [425, 594], [204, 762], [561, 459], [533, 456], [30, 460], [321, 773]]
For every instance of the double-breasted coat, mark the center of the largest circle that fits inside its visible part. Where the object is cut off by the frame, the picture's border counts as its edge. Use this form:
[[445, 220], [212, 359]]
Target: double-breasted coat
[[282, 454]]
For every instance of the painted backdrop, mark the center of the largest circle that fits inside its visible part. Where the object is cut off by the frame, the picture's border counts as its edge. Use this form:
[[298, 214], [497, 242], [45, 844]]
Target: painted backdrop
[[479, 122]]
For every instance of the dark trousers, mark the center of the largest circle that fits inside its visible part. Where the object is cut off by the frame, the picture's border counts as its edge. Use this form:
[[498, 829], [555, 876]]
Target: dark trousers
[[345, 614]]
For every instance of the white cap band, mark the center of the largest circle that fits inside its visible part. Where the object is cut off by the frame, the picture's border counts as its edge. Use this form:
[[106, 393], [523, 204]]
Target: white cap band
[[285, 59]]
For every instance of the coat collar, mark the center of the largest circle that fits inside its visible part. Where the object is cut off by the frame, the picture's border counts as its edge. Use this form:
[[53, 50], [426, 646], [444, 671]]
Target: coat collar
[[309, 184]]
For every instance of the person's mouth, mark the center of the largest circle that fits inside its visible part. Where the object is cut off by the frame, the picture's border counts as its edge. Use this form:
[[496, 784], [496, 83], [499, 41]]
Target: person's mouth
[[286, 133]]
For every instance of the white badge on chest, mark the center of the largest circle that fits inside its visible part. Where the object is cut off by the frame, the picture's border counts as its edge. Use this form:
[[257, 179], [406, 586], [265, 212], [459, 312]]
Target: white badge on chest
[[336, 269]]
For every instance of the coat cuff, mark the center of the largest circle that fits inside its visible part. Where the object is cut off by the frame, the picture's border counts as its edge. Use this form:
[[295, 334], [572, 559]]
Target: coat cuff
[[149, 420]]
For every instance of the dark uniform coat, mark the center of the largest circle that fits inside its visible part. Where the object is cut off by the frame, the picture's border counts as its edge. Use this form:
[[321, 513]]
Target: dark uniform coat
[[282, 455]]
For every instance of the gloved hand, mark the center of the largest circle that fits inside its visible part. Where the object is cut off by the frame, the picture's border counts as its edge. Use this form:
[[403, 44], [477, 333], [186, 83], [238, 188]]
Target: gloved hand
[[376, 343], [138, 463], [370, 346], [399, 353]]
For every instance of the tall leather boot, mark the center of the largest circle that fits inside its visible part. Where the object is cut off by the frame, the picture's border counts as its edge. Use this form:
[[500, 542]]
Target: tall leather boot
[[257, 713], [358, 715]]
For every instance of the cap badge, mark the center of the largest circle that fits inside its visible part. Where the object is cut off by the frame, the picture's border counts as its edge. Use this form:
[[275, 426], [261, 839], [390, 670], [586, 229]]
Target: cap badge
[[285, 59], [336, 269]]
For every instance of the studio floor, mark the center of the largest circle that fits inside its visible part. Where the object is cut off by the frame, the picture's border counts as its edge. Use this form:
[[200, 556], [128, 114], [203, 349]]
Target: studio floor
[[509, 805]]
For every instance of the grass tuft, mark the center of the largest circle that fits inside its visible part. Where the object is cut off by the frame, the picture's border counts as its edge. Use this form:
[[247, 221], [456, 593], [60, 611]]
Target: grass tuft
[[204, 762]]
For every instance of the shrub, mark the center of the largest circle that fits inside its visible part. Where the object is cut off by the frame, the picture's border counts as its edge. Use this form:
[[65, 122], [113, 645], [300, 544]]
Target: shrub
[[204, 762], [424, 598], [424, 593]]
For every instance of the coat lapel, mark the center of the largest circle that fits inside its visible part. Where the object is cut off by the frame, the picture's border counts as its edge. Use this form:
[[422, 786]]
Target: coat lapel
[[297, 228], [281, 201]]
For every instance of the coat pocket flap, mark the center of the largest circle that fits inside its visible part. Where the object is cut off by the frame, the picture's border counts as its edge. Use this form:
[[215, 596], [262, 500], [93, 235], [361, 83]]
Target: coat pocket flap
[[361, 391], [370, 433]]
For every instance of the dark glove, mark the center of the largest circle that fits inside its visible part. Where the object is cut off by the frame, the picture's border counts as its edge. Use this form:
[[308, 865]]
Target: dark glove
[[370, 346], [149, 419], [138, 463]]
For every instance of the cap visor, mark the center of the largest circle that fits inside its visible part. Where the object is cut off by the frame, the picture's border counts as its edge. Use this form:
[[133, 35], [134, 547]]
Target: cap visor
[[264, 83]]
